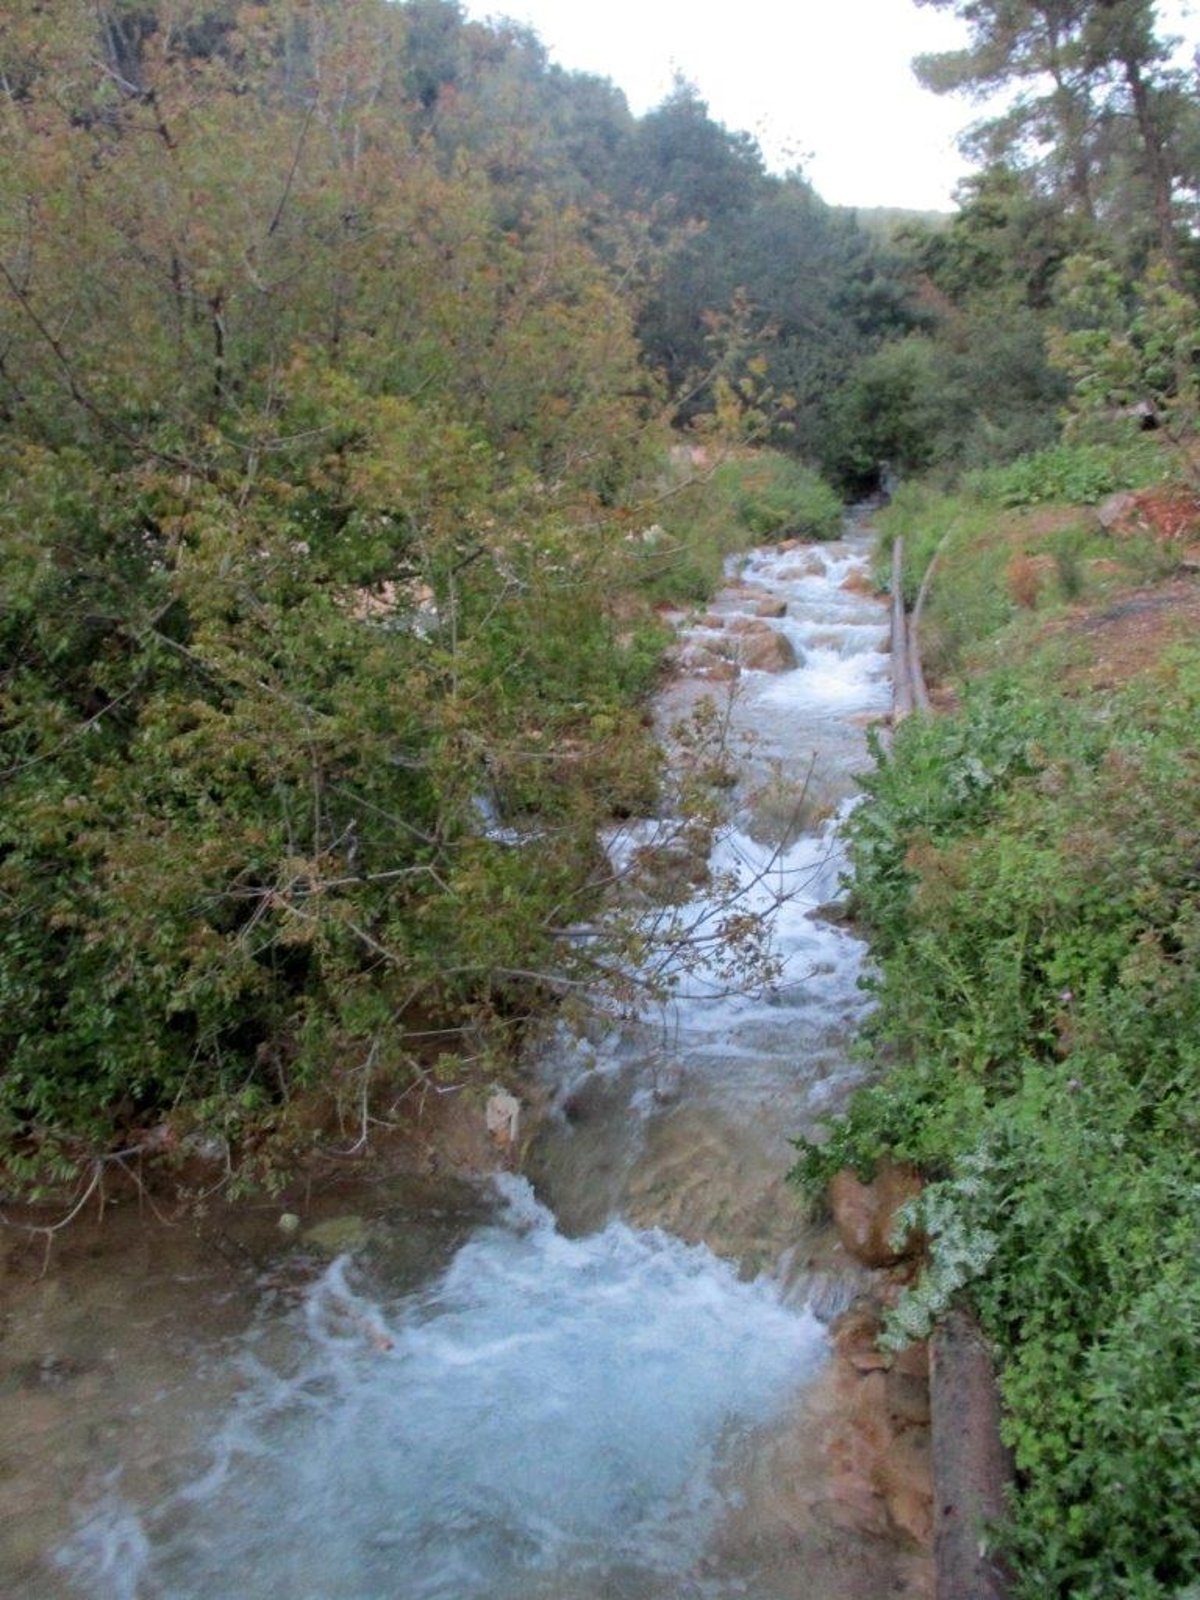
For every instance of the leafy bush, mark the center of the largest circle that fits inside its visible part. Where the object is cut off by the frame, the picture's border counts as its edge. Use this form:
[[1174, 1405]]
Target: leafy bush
[[703, 517], [892, 408], [1027, 869], [1081, 474], [240, 839], [773, 497]]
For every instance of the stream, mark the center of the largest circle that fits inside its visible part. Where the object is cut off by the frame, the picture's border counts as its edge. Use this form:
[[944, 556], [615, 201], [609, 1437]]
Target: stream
[[603, 1379]]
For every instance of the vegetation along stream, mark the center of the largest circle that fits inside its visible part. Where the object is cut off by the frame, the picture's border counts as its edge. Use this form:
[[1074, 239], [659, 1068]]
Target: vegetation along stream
[[425, 1027], [560, 1384]]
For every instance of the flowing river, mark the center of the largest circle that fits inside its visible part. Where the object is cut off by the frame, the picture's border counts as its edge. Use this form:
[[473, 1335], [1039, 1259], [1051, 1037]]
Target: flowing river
[[603, 1378]]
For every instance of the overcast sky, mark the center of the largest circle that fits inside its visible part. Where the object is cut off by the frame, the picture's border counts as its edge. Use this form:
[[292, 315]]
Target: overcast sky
[[825, 84]]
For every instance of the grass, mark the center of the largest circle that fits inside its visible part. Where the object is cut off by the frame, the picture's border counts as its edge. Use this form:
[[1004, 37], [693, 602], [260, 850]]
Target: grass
[[705, 515], [1005, 559]]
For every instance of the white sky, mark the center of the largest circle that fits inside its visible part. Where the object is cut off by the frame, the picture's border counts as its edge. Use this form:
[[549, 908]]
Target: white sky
[[825, 84]]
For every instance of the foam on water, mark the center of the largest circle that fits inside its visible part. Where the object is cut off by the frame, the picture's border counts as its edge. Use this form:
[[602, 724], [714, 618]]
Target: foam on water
[[547, 1405], [804, 1016], [831, 679], [553, 1416], [785, 884]]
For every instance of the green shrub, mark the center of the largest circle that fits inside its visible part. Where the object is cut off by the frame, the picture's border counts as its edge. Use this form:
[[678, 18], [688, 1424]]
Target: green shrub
[[1081, 474], [773, 497], [1027, 869], [747, 500]]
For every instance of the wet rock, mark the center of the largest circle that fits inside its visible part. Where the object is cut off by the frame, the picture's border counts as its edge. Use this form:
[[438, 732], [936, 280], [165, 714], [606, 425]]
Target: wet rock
[[771, 608], [865, 1213], [52, 1371], [673, 871], [588, 1100], [880, 1448], [836, 912], [768, 652], [854, 1338], [867, 1358], [778, 811], [699, 661], [814, 567], [700, 1179], [908, 1399], [756, 597], [858, 583], [335, 1235], [913, 1361], [904, 1481]]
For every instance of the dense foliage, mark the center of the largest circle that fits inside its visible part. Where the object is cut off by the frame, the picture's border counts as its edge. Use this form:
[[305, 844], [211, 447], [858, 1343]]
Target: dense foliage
[[1026, 868], [1067, 279], [305, 555], [340, 350], [331, 455]]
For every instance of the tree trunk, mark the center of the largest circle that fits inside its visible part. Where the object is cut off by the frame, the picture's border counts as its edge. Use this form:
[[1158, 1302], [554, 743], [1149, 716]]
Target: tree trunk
[[1157, 168]]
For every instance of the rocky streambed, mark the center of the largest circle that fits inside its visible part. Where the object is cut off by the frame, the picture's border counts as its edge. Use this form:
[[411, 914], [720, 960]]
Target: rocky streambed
[[633, 1370]]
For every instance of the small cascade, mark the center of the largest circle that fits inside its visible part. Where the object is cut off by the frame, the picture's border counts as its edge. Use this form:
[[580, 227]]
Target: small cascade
[[546, 1407], [577, 1399]]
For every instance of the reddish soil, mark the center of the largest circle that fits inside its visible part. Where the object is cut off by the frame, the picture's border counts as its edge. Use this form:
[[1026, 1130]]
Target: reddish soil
[[1128, 633], [1171, 515], [1120, 631]]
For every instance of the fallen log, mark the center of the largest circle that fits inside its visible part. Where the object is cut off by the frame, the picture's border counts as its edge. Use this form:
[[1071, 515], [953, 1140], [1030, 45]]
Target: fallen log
[[971, 1466]]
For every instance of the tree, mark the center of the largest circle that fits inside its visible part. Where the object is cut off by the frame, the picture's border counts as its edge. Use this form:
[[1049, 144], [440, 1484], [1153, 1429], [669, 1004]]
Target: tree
[[1093, 78], [1037, 46], [688, 168], [311, 526]]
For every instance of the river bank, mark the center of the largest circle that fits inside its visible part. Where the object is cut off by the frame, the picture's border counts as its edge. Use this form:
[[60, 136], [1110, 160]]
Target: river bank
[[1025, 864]]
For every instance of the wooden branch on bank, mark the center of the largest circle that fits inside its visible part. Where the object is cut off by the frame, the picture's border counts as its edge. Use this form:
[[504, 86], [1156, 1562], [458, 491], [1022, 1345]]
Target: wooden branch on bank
[[914, 629], [971, 1467], [902, 696]]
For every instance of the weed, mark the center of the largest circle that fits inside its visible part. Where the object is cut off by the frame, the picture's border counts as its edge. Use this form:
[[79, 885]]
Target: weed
[[1080, 474]]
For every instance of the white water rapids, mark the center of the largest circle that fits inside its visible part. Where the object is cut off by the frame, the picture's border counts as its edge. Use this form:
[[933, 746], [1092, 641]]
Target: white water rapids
[[546, 1412], [565, 1404]]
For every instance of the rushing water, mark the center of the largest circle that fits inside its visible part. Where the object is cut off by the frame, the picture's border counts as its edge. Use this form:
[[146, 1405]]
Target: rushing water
[[557, 1390]]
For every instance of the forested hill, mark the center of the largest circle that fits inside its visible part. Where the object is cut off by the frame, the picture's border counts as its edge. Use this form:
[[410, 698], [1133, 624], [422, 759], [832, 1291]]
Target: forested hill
[[342, 349]]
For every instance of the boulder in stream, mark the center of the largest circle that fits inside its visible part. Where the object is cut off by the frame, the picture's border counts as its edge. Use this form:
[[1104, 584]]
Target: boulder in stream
[[333, 1236], [697, 661], [767, 651]]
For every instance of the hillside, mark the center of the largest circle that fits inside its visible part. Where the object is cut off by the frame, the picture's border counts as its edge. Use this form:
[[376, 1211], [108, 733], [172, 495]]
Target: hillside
[[1025, 863]]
